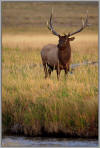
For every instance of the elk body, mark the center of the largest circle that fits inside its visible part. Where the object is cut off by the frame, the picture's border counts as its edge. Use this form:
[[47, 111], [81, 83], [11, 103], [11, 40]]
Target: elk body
[[58, 57]]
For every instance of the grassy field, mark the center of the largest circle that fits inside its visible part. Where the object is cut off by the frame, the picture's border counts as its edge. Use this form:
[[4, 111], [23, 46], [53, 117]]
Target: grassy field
[[32, 105]]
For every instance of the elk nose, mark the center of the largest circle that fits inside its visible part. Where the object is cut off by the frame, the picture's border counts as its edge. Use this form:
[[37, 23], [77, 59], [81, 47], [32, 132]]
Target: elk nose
[[61, 43]]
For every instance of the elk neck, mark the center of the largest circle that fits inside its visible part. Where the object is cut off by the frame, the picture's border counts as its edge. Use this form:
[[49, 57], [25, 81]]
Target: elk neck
[[64, 54]]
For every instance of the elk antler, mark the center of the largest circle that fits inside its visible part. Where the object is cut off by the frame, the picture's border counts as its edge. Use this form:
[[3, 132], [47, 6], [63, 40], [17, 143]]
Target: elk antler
[[84, 24], [50, 27]]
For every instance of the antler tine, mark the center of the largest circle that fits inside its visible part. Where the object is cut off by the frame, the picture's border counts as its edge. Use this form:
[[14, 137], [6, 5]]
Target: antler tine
[[86, 20], [50, 27], [84, 24]]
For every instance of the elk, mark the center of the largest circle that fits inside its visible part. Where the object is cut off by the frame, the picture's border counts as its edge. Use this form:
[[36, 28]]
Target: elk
[[58, 57]]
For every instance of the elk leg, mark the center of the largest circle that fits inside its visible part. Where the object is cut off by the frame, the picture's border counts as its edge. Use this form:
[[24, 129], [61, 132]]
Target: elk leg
[[50, 69], [58, 73], [68, 68], [66, 72], [49, 72], [45, 70]]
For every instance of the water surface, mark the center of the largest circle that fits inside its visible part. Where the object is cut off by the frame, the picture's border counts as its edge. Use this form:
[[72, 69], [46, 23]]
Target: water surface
[[48, 142]]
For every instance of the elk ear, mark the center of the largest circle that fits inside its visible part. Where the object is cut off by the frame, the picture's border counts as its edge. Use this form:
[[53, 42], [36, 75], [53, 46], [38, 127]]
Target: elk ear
[[71, 39]]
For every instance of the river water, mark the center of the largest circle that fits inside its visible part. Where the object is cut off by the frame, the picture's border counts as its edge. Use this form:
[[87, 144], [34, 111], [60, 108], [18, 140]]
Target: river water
[[47, 142]]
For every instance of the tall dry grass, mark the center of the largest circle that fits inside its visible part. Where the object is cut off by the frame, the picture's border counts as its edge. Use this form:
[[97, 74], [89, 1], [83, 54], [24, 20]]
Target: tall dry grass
[[32, 105]]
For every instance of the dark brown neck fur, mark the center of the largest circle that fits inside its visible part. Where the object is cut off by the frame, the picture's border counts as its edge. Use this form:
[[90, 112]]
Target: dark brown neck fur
[[64, 54]]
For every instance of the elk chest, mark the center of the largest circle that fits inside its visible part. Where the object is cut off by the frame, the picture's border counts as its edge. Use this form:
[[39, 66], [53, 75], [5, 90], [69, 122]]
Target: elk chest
[[64, 56]]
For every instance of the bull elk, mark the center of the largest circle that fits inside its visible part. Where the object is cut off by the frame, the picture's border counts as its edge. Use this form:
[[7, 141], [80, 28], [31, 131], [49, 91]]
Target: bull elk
[[58, 57]]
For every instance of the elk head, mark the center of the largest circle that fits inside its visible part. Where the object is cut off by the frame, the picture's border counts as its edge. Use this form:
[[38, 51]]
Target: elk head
[[64, 40]]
